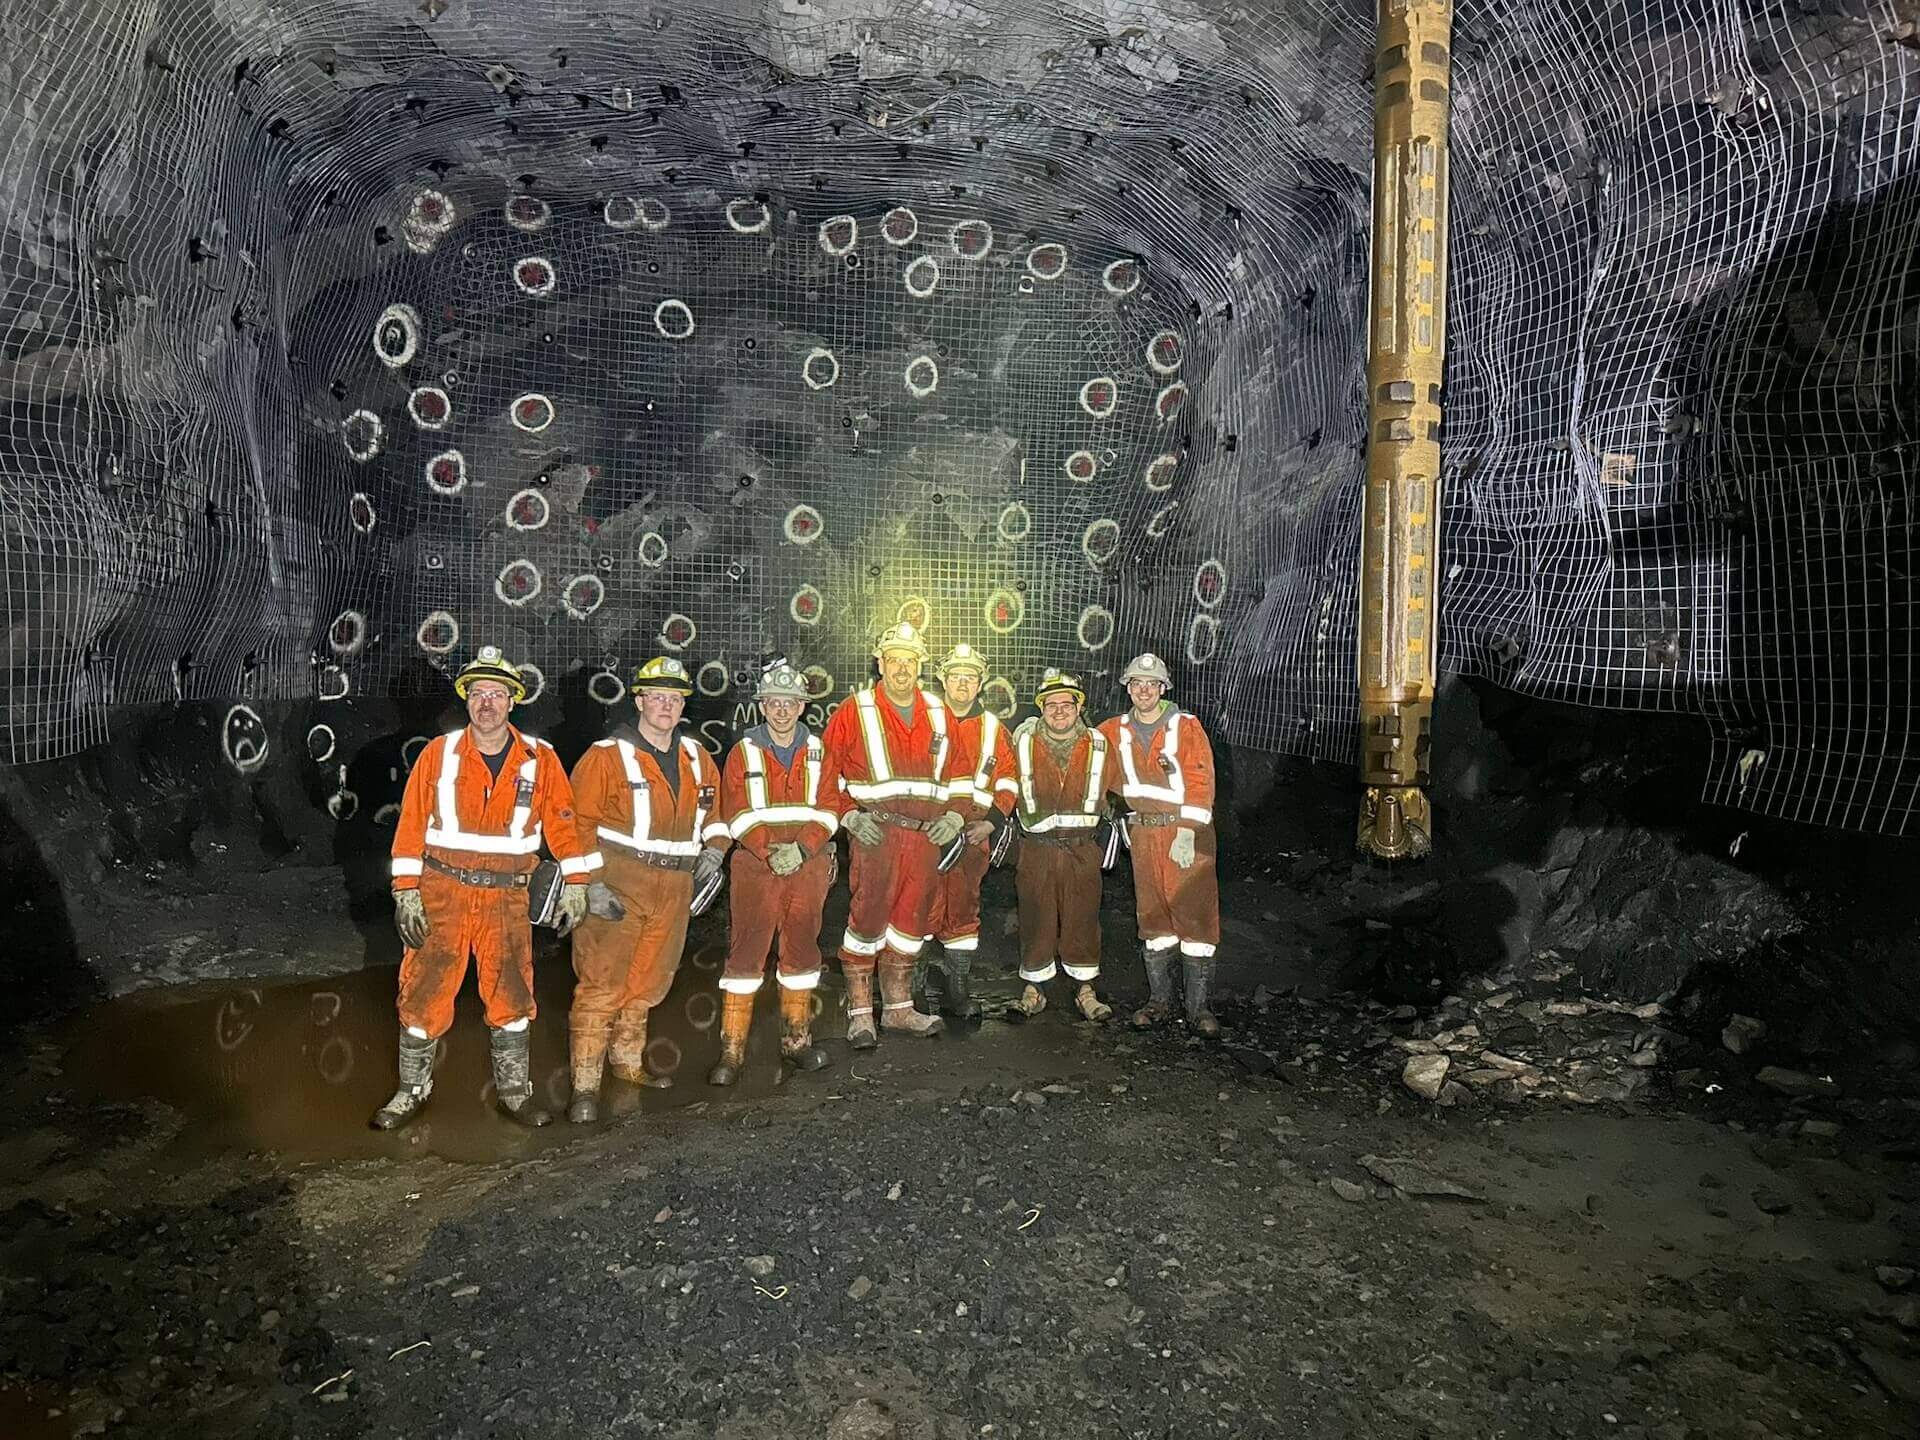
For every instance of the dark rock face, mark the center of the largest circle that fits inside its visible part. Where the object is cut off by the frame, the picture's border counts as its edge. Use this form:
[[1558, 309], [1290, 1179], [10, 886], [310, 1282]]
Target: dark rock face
[[340, 341]]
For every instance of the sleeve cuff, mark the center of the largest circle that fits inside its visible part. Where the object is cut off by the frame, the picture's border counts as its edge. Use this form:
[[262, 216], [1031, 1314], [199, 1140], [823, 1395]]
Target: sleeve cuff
[[1196, 814], [406, 867]]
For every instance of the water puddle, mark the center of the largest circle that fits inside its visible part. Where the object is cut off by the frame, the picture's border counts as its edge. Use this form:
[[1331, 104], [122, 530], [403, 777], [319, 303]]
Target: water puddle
[[296, 1068]]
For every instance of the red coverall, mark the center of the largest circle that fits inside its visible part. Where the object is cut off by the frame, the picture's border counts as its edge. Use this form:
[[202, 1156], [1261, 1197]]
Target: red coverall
[[1168, 787], [650, 838], [764, 804], [1058, 872], [455, 813], [982, 782], [898, 772]]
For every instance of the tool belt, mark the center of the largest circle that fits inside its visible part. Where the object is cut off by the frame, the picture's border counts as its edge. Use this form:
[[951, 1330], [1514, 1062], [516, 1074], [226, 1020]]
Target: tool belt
[[657, 861], [485, 879], [1060, 837], [1153, 821], [903, 822]]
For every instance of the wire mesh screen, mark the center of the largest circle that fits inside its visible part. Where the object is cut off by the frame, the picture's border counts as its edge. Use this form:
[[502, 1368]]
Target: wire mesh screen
[[345, 338]]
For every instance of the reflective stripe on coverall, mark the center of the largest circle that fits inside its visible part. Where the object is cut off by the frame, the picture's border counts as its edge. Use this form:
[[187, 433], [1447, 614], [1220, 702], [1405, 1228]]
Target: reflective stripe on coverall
[[1057, 875], [765, 804], [455, 812], [1173, 779], [982, 782]]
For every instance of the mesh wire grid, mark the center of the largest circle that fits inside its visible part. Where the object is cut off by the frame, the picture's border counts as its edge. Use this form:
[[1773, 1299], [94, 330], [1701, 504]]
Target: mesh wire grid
[[344, 338]]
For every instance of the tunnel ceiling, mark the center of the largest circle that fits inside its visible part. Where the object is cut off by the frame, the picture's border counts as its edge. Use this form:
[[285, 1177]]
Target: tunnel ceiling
[[344, 338]]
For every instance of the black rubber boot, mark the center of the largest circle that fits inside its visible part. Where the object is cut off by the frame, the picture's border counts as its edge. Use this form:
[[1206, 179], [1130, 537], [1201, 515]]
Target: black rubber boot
[[923, 981], [416, 1083], [1159, 1007], [1199, 1017], [513, 1077], [796, 1031], [959, 1002]]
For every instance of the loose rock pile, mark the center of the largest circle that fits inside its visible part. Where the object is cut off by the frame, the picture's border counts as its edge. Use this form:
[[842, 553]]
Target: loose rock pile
[[1524, 1035]]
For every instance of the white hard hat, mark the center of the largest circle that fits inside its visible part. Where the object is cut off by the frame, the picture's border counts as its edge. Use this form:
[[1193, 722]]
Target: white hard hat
[[964, 657], [1147, 667], [900, 637], [782, 682]]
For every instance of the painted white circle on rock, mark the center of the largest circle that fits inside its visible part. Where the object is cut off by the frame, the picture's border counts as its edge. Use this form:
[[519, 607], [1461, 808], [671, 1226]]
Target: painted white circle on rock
[[673, 319]]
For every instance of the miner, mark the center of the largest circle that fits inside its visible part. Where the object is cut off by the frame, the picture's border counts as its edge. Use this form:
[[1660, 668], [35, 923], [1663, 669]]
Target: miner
[[1165, 776], [478, 804], [652, 798], [891, 746], [780, 797], [1064, 772], [982, 789]]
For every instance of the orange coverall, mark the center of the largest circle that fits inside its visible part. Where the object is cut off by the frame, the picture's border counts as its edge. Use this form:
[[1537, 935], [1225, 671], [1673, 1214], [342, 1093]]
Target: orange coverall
[[764, 804], [1057, 877], [1167, 787], [982, 783], [650, 839], [454, 813], [898, 772]]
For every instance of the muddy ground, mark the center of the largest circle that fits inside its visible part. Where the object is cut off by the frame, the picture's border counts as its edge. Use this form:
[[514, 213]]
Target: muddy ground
[[1042, 1230]]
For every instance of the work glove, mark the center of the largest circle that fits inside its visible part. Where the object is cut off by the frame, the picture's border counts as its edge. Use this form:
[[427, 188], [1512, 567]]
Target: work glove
[[946, 829], [602, 903], [1181, 851], [410, 918], [573, 908], [785, 859], [710, 860], [863, 827], [979, 832]]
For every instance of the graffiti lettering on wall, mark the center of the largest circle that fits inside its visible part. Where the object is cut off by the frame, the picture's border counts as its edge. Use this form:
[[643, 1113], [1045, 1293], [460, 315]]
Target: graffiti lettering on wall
[[718, 734]]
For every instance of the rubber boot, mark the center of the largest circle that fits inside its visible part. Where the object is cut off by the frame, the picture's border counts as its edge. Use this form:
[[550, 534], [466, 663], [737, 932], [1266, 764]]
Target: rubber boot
[[860, 1032], [416, 1083], [959, 1002], [1199, 1017], [1159, 1007], [896, 990], [513, 1077], [736, 1018], [1090, 1005], [589, 1041], [627, 1050], [922, 983], [796, 1031]]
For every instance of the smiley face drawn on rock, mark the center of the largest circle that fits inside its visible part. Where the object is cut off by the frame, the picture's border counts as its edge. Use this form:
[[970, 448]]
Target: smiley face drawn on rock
[[243, 739]]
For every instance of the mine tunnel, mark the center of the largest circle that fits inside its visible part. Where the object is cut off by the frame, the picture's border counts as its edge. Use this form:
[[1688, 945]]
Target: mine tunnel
[[1373, 542]]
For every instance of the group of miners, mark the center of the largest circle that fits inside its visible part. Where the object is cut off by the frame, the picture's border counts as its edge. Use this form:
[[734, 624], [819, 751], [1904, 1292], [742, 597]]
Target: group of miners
[[931, 788]]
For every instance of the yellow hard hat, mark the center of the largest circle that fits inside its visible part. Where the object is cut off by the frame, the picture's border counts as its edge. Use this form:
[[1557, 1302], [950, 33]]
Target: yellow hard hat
[[663, 672], [964, 657], [900, 637], [1058, 682], [490, 664]]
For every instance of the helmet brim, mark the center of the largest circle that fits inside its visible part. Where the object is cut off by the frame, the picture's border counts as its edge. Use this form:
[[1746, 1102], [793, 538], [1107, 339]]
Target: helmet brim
[[516, 687]]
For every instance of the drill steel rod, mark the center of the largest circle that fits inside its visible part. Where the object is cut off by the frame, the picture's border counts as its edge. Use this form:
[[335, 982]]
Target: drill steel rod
[[1406, 356]]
